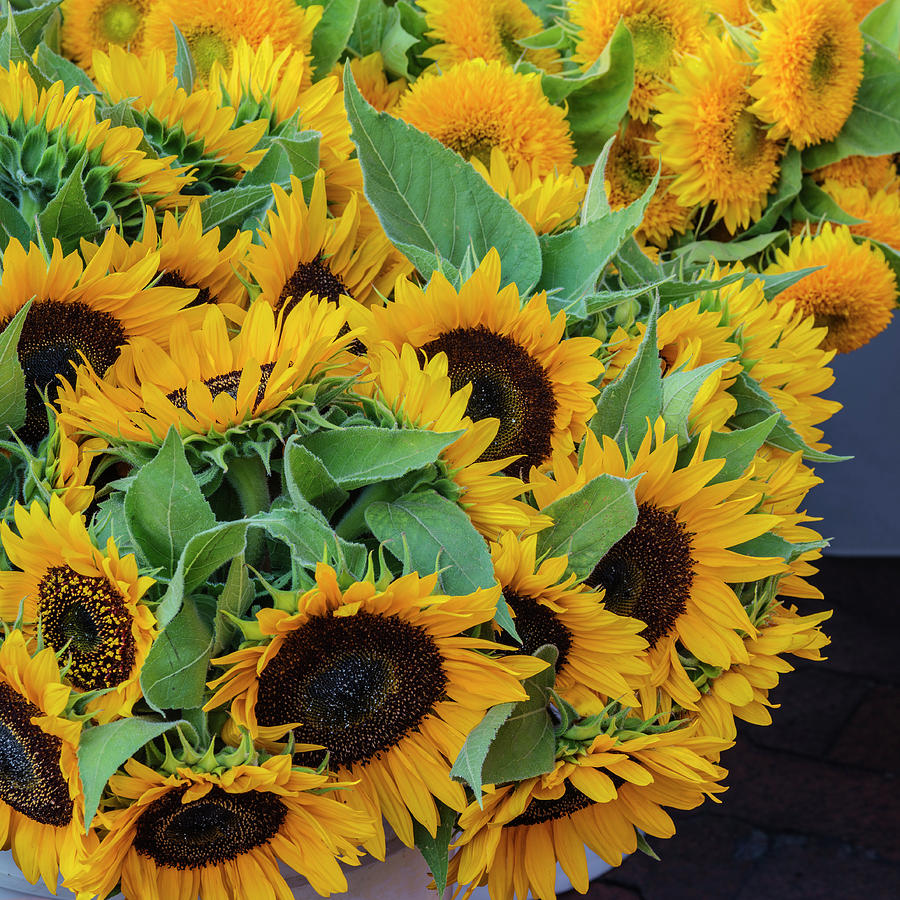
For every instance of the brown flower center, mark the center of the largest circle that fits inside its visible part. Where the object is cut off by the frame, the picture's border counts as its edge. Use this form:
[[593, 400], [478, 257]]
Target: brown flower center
[[225, 384], [173, 278], [314, 277], [537, 625], [539, 811]]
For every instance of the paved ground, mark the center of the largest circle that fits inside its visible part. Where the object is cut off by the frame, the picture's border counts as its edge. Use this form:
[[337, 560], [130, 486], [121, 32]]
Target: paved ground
[[813, 812]]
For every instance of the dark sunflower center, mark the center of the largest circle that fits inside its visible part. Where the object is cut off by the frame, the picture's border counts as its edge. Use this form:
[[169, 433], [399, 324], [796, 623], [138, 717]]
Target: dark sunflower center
[[748, 137], [225, 384], [54, 336], [477, 140], [537, 625], [649, 573], [823, 65], [538, 811], [507, 384], [89, 615], [357, 684], [30, 778], [209, 831], [312, 277], [172, 278]]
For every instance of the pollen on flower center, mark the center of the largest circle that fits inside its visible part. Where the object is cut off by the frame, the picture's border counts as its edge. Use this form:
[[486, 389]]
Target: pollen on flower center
[[747, 138], [119, 21], [207, 47], [653, 41], [824, 63], [314, 277]]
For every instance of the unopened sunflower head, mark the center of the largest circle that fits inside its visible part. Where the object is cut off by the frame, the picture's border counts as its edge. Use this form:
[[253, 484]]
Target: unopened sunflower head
[[854, 293]]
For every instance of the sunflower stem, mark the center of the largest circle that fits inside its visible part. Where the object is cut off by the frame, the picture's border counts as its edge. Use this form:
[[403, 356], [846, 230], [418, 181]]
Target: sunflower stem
[[247, 477], [353, 522]]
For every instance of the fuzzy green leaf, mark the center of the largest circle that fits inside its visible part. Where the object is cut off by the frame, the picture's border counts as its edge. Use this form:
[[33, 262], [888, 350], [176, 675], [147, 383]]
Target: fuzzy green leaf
[[11, 49], [31, 22], [701, 252], [790, 181], [235, 600], [102, 749], [679, 390], [228, 210], [365, 454], [432, 203], [596, 203], [68, 216], [773, 285], [551, 38], [332, 32], [12, 225], [883, 24], [304, 529], [587, 523], [814, 205], [436, 850], [58, 68], [185, 68], [164, 507], [737, 448], [12, 378], [770, 544], [397, 43], [307, 478], [470, 762]]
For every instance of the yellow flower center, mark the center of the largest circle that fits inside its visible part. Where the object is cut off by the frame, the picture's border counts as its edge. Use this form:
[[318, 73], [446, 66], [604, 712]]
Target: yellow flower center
[[823, 65], [653, 42], [208, 47], [748, 137], [119, 21]]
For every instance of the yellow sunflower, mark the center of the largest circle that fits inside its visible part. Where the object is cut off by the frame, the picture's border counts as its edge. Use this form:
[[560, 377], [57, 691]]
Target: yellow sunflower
[[523, 371], [598, 649], [477, 105], [423, 398], [78, 311], [618, 783], [743, 690], [372, 80], [736, 12], [548, 203], [192, 126], [41, 798], [872, 172], [709, 137], [87, 601], [687, 337], [304, 250], [661, 31], [90, 25], [808, 68], [879, 210], [673, 569], [385, 680], [214, 834], [853, 295], [213, 29], [209, 381], [780, 348], [483, 29], [66, 127]]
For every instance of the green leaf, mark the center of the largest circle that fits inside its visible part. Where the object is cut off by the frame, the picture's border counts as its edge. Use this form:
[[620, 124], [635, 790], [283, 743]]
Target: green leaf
[[551, 38], [304, 529], [307, 478], [102, 749], [235, 600], [432, 203], [737, 447], [773, 285], [365, 454], [589, 522], [701, 252], [470, 762], [873, 126], [397, 42], [770, 544], [30, 24], [370, 27], [12, 225], [185, 68], [164, 507], [525, 744], [679, 390], [436, 850], [883, 24], [332, 32], [228, 210], [634, 265], [11, 49], [12, 378], [814, 205], [789, 183], [596, 203], [286, 156], [58, 68], [574, 260], [174, 674], [635, 396], [68, 216], [755, 405], [891, 254]]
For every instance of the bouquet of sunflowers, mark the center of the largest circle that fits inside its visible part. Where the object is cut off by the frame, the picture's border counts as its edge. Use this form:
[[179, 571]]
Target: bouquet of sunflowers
[[408, 412]]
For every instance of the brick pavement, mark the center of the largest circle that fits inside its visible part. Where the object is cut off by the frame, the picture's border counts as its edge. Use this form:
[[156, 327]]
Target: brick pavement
[[813, 810]]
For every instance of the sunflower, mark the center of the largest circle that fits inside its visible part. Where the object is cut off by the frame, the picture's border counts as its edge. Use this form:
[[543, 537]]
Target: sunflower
[[853, 295], [422, 397], [673, 569], [598, 649], [709, 137], [193, 833], [305, 251], [861, 8], [483, 29], [548, 203], [742, 691], [41, 799], [192, 127], [372, 80], [736, 12], [687, 337], [50, 124], [808, 69], [661, 31], [879, 210], [523, 372], [781, 349], [630, 168], [872, 172], [213, 29], [90, 25], [87, 601], [477, 105], [77, 310], [385, 680], [209, 381], [189, 260], [513, 838]]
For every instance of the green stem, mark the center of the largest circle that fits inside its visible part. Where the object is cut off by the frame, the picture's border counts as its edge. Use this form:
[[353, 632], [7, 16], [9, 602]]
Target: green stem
[[353, 522], [247, 477]]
